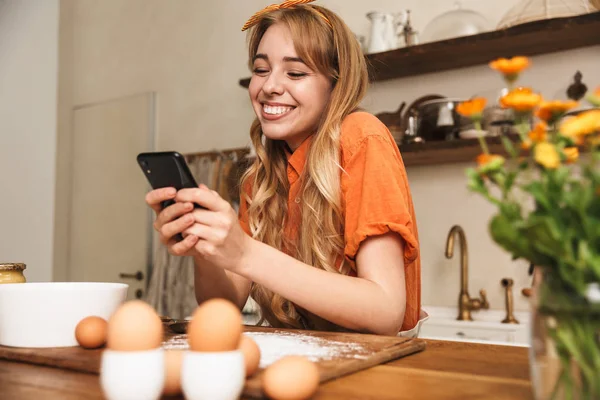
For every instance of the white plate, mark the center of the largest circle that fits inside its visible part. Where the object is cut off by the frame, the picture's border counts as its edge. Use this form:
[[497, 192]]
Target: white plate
[[472, 134]]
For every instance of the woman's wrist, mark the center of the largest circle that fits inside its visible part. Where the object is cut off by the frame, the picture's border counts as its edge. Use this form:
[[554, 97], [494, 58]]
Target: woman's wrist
[[248, 254]]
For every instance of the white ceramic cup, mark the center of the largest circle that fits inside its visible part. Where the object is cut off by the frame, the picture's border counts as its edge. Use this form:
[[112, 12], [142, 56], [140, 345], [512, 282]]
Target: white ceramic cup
[[213, 375], [132, 375]]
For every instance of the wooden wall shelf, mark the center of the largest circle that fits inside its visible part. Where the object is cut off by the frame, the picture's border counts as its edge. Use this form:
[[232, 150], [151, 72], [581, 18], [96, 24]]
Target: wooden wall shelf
[[447, 152], [533, 38]]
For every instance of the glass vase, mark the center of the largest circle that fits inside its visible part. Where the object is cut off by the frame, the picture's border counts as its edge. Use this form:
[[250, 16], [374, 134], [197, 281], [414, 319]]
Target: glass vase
[[565, 343]]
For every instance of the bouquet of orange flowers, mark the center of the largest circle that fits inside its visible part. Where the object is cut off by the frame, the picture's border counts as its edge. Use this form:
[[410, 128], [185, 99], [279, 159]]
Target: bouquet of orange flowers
[[547, 193]]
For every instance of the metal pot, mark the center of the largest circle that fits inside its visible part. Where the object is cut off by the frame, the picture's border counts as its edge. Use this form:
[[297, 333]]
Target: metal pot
[[498, 121], [437, 120]]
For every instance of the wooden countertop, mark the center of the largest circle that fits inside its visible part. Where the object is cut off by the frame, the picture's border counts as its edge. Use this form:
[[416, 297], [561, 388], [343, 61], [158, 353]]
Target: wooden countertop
[[445, 370]]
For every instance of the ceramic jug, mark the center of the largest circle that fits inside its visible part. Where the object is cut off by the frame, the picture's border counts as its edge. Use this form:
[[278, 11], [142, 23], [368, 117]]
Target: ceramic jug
[[383, 32]]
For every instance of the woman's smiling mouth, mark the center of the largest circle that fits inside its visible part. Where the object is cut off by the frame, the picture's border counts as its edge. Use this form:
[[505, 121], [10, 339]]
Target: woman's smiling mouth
[[273, 112]]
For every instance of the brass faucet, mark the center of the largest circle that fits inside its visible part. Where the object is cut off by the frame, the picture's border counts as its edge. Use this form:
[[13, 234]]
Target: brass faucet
[[466, 304], [510, 317]]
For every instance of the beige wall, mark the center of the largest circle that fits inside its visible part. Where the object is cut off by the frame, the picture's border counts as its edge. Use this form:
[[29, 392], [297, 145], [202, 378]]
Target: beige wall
[[28, 79], [193, 53]]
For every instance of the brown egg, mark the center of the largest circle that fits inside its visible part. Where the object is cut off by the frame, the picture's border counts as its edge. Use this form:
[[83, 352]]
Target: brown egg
[[90, 332], [291, 378], [251, 353], [135, 326], [216, 325], [173, 360]]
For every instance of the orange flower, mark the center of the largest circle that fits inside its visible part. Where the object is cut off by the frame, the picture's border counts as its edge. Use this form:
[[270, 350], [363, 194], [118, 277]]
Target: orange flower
[[539, 132], [472, 108], [510, 68], [582, 125], [552, 110], [572, 154], [489, 164], [484, 159], [521, 100], [537, 135]]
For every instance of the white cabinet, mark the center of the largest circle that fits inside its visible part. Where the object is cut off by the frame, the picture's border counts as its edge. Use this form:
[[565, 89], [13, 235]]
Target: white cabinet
[[486, 327]]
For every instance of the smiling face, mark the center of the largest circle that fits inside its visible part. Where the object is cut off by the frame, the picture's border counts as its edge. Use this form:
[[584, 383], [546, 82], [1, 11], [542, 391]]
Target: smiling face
[[288, 97]]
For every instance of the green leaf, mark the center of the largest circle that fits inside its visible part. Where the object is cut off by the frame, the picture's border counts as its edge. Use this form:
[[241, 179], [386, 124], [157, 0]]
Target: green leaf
[[544, 235], [510, 181], [537, 190], [505, 232], [508, 145]]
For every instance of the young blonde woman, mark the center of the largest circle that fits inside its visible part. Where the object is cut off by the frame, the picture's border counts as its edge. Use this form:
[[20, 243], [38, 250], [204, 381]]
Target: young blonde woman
[[326, 236]]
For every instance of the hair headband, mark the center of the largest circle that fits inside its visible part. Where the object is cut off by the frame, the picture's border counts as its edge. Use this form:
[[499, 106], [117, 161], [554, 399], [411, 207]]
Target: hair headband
[[274, 7]]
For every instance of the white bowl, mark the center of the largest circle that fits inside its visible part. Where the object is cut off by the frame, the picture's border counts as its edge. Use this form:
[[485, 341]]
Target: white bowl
[[46, 314]]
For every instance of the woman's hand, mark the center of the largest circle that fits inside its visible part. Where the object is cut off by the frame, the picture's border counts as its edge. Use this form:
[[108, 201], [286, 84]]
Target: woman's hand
[[222, 241], [173, 220]]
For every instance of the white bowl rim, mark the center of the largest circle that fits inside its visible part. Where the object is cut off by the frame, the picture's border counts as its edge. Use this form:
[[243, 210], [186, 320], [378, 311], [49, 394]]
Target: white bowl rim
[[71, 286]]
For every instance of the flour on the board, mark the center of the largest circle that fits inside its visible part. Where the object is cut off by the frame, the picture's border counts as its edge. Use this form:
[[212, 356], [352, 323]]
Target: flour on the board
[[274, 346]]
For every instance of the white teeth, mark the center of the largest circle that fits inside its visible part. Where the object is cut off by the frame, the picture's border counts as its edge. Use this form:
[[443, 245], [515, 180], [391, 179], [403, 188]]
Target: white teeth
[[276, 110]]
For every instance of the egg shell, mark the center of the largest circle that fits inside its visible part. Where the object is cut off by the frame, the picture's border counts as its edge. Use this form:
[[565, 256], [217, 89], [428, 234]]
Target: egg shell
[[291, 378], [251, 353], [91, 332], [173, 361], [216, 325], [135, 326]]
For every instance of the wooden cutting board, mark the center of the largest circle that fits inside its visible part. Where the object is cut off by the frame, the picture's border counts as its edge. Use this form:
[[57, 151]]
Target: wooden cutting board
[[354, 352]]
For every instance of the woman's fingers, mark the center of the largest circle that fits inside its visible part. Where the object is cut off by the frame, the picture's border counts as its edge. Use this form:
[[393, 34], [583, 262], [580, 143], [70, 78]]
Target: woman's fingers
[[171, 213], [203, 197], [210, 218], [182, 247], [170, 229], [155, 198], [203, 232]]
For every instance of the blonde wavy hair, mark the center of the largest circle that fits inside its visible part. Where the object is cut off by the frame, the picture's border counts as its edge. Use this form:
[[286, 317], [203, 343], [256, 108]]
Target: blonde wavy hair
[[335, 52]]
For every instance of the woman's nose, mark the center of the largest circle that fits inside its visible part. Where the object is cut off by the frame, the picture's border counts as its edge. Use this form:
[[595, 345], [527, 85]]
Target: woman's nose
[[273, 84]]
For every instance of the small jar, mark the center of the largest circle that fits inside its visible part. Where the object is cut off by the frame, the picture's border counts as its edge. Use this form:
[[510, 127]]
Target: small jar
[[12, 273]]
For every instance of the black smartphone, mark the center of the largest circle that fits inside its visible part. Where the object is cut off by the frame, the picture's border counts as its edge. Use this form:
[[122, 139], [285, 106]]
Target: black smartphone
[[167, 169]]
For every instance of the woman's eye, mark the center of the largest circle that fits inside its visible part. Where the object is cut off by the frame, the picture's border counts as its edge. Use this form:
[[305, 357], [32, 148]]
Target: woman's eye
[[260, 71], [296, 74]]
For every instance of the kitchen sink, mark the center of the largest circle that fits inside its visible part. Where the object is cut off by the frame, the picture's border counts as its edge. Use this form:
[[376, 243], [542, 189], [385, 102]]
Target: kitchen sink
[[486, 327]]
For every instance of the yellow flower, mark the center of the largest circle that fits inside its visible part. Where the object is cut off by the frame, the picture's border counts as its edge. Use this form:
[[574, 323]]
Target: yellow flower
[[521, 100], [510, 68], [546, 155], [472, 108], [584, 124], [572, 154], [552, 110]]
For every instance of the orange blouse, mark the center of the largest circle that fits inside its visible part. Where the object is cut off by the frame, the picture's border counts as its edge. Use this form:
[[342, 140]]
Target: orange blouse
[[376, 198]]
